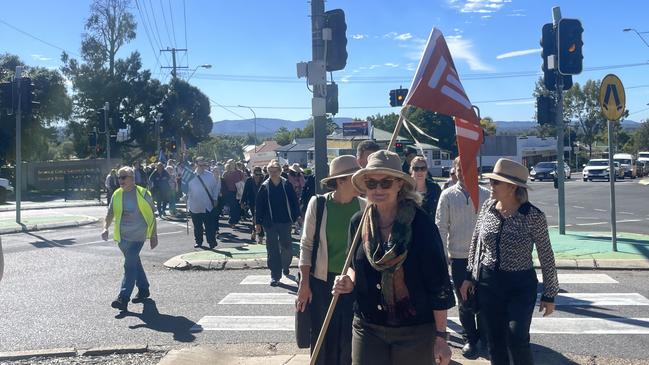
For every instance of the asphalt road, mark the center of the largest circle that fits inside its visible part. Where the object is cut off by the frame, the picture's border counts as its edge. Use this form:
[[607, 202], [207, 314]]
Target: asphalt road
[[588, 204], [58, 286]]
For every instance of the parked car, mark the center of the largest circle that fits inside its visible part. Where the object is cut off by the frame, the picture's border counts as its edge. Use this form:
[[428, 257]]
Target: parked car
[[598, 169], [5, 189], [643, 159], [642, 168], [543, 170], [627, 161]]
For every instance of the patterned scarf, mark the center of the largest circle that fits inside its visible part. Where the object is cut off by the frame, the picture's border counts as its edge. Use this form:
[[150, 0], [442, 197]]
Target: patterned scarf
[[388, 257]]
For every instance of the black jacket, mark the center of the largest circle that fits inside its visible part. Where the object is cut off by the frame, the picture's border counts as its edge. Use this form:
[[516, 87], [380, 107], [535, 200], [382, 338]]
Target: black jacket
[[433, 192], [263, 210], [250, 191]]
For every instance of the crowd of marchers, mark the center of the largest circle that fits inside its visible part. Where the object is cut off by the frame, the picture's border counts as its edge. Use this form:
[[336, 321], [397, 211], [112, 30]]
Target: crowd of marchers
[[394, 247]]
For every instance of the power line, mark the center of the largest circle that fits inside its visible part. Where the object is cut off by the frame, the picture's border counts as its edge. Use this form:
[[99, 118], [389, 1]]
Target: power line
[[37, 38], [164, 18], [146, 31], [173, 27], [185, 24]]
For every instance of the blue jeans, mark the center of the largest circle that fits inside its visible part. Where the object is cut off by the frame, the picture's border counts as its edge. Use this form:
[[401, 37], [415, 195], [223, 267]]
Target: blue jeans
[[133, 270]]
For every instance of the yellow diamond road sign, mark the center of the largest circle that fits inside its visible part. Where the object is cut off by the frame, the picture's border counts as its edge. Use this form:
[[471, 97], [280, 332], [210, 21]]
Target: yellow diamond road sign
[[612, 98]]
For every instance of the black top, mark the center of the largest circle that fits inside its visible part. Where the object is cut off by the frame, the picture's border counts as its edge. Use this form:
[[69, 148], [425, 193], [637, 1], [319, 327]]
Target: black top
[[307, 192], [276, 203], [433, 192], [250, 190], [426, 276]]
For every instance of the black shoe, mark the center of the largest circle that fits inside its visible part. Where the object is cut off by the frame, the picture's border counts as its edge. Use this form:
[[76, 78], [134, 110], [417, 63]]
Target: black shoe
[[470, 351], [212, 245], [120, 303], [274, 282], [141, 296], [286, 272], [198, 245]]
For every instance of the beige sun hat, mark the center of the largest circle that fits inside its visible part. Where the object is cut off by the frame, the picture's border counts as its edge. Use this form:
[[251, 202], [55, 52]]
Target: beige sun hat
[[510, 172], [296, 168], [382, 162], [341, 166]]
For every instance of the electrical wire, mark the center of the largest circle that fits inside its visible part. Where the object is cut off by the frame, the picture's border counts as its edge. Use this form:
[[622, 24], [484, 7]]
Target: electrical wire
[[146, 31], [164, 18], [37, 38], [173, 27]]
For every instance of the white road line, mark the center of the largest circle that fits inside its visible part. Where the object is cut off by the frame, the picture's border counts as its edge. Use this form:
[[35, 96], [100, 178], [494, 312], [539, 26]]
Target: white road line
[[630, 220], [258, 298], [591, 224], [583, 279], [585, 218], [111, 240], [628, 213], [264, 280], [603, 326], [600, 299], [578, 207], [600, 210]]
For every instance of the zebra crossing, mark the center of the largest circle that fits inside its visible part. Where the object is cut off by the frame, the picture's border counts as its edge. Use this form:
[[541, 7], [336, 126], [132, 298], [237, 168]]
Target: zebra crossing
[[561, 322]]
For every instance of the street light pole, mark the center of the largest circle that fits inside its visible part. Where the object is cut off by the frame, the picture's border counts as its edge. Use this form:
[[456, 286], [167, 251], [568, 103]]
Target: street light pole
[[106, 124], [255, 115], [206, 66], [638, 33]]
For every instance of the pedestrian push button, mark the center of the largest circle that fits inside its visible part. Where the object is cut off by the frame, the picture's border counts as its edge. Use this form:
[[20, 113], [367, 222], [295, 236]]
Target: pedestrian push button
[[379, 307], [378, 286]]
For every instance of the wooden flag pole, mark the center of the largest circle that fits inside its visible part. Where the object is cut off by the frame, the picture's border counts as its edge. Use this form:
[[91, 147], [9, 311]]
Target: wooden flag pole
[[348, 262]]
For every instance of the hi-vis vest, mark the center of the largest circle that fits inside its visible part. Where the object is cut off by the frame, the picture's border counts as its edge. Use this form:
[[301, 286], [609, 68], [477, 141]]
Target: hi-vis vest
[[143, 206]]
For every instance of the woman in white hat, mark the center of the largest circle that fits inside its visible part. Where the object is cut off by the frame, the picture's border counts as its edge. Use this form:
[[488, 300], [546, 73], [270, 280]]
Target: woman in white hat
[[323, 250], [399, 276], [501, 267]]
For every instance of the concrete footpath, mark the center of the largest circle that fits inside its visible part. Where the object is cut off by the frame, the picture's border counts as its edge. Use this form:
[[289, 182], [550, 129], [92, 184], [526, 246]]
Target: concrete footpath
[[575, 250], [34, 220], [57, 203]]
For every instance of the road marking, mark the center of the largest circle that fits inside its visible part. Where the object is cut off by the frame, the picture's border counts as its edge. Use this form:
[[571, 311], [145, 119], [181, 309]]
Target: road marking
[[600, 210], [586, 218], [600, 299], [583, 279], [630, 220], [628, 213], [264, 280], [111, 240], [591, 224], [604, 326], [578, 207], [258, 298]]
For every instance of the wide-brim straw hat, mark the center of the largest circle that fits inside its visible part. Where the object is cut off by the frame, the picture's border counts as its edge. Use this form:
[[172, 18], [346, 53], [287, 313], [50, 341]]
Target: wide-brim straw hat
[[510, 172], [384, 163], [341, 166], [296, 168]]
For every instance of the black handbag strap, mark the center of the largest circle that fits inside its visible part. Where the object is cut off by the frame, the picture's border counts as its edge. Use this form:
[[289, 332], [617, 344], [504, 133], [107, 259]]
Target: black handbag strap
[[207, 191], [320, 205]]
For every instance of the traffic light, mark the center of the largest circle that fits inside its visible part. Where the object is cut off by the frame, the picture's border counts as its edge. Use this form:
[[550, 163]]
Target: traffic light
[[337, 46], [27, 95], [545, 110], [549, 48], [331, 106], [398, 96], [570, 57], [6, 97], [172, 145], [398, 147]]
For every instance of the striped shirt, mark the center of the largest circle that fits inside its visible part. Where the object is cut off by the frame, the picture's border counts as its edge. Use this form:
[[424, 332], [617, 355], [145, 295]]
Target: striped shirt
[[507, 244]]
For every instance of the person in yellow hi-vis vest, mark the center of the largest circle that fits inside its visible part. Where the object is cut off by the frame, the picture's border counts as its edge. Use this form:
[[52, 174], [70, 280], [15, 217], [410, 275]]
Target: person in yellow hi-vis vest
[[131, 207]]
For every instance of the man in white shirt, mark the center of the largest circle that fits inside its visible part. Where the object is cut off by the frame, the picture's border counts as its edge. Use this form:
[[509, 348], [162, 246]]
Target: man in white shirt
[[202, 198], [456, 218]]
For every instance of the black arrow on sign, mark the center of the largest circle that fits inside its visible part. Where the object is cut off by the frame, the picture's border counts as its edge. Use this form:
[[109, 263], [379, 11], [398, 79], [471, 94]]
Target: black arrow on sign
[[612, 89]]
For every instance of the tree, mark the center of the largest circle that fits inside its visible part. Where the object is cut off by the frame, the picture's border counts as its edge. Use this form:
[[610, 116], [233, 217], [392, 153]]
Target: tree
[[220, 148], [55, 105], [581, 105], [186, 113], [385, 122], [489, 126], [641, 137], [283, 136]]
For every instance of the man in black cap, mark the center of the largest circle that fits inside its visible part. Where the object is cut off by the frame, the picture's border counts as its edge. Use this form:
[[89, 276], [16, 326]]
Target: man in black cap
[[411, 152]]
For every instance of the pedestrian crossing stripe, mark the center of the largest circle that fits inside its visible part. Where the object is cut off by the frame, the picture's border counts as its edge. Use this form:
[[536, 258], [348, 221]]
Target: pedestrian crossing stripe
[[563, 279], [540, 325], [563, 299]]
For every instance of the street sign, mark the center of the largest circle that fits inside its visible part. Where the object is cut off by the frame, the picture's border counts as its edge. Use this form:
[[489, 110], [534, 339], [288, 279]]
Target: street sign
[[355, 129], [612, 98]]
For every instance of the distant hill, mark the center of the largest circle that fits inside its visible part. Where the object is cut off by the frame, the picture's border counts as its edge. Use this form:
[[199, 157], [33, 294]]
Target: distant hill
[[265, 126], [268, 126]]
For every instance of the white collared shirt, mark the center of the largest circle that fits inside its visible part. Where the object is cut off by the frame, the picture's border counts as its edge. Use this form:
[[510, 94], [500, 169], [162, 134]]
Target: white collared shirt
[[197, 199]]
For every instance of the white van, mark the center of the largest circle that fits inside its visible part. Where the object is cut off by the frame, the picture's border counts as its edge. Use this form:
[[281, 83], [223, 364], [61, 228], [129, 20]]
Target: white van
[[627, 161]]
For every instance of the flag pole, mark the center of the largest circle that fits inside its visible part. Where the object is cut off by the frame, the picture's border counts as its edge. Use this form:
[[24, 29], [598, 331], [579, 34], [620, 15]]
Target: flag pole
[[334, 300], [397, 128]]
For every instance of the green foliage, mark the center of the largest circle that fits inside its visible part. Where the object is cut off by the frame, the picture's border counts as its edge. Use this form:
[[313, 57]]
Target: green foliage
[[186, 113], [436, 125], [640, 140], [489, 126], [55, 105], [283, 136], [220, 148]]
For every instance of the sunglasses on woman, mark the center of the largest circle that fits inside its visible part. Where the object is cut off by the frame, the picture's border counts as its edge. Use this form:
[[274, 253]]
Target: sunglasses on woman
[[494, 182], [419, 168], [372, 184]]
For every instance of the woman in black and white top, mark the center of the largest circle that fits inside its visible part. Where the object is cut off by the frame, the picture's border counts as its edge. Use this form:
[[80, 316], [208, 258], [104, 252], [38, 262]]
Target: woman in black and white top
[[501, 267]]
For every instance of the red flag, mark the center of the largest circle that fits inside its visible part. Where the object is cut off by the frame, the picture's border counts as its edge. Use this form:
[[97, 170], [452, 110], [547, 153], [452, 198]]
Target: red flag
[[437, 87]]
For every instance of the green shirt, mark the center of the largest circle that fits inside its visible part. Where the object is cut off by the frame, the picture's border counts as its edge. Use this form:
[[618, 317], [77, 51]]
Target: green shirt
[[338, 219]]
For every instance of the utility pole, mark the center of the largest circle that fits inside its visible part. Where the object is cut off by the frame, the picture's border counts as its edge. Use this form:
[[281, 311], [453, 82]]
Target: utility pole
[[174, 67], [157, 131], [19, 157], [319, 94], [107, 131], [556, 17]]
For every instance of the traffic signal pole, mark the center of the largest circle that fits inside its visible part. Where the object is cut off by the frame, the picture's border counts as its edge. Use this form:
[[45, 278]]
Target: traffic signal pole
[[556, 17], [319, 91], [19, 157]]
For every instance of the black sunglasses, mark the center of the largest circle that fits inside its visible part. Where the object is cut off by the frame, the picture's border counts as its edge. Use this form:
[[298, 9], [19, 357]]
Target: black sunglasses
[[494, 182], [372, 184], [420, 168]]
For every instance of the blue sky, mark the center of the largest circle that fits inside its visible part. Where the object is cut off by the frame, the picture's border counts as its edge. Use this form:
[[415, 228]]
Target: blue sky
[[253, 46]]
